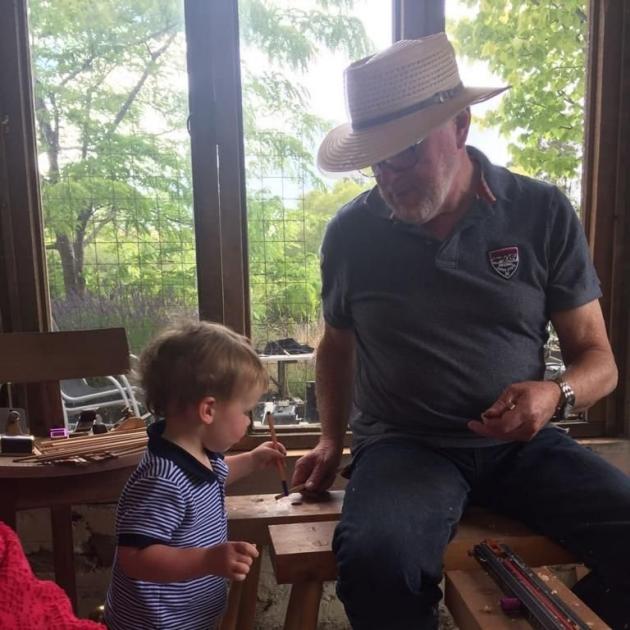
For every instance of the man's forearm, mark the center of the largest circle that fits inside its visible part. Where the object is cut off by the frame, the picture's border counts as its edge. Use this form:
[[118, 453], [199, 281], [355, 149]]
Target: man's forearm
[[592, 376], [334, 374], [591, 369]]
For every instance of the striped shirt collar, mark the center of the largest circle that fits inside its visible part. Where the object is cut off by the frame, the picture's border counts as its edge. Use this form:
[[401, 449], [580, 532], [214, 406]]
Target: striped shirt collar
[[162, 447]]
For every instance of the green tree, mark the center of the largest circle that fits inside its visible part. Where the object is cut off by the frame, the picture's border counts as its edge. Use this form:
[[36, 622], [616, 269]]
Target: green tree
[[279, 129], [284, 254], [107, 76], [539, 48], [98, 69]]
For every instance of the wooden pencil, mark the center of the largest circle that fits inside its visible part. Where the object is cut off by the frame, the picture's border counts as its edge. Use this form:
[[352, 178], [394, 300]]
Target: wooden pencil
[[282, 471]]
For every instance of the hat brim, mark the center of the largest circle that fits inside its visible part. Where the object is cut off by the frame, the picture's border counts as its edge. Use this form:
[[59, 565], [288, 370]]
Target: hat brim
[[345, 149]]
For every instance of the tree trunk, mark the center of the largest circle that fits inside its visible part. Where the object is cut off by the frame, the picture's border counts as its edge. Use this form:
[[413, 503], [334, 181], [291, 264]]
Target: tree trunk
[[73, 280]]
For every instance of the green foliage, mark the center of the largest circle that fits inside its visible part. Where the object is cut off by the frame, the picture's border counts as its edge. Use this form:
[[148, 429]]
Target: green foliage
[[110, 101], [111, 183], [284, 253], [280, 132], [292, 36], [111, 98], [539, 48]]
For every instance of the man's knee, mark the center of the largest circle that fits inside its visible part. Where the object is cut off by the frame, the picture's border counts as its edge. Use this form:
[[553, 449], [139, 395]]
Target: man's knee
[[379, 559]]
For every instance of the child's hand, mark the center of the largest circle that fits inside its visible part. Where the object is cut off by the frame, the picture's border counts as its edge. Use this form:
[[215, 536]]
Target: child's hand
[[231, 559], [267, 454]]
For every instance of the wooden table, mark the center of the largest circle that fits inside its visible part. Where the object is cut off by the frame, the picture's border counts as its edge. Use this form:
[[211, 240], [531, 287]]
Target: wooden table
[[58, 487]]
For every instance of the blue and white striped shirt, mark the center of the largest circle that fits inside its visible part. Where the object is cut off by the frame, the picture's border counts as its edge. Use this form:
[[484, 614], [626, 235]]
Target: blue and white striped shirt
[[170, 499]]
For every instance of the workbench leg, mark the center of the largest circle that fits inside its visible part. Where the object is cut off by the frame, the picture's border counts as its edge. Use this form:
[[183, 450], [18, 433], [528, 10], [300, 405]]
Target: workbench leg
[[303, 608], [63, 550], [249, 594], [241, 608], [230, 616]]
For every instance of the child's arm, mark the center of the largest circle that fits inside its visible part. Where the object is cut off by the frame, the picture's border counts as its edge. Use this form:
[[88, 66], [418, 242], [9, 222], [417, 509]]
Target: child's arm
[[262, 456], [161, 563]]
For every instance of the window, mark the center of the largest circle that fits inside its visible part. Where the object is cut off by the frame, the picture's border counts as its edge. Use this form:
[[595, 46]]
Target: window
[[537, 127], [217, 155], [110, 104], [292, 60]]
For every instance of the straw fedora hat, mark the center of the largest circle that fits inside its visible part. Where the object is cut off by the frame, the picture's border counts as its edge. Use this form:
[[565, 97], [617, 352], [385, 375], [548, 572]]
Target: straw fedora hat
[[395, 99]]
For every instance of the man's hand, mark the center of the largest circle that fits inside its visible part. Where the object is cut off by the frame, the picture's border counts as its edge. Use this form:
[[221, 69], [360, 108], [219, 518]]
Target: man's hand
[[231, 560], [520, 412], [318, 468]]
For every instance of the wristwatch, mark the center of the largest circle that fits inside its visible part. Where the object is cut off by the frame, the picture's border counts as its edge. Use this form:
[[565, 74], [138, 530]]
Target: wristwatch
[[567, 398]]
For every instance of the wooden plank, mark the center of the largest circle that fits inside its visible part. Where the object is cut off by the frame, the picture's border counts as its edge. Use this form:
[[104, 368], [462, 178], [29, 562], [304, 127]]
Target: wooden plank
[[250, 516], [303, 608], [230, 616], [247, 608], [479, 524], [32, 357], [472, 597], [303, 551]]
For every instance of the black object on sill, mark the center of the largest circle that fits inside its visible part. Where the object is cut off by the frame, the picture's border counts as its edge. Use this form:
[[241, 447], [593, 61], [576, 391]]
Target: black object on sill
[[16, 444], [86, 421], [286, 346]]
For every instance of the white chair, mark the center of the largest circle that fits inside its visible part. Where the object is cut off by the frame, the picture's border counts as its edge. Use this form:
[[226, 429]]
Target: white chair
[[78, 395]]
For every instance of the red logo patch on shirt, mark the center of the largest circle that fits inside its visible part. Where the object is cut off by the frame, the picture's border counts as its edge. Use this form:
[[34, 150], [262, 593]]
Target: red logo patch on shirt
[[504, 261]]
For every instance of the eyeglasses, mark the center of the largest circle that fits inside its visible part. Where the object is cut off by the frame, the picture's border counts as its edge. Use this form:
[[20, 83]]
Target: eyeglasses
[[398, 163]]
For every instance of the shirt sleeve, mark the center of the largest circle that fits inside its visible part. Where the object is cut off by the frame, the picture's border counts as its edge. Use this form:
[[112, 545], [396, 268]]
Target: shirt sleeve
[[334, 274], [152, 509], [572, 279]]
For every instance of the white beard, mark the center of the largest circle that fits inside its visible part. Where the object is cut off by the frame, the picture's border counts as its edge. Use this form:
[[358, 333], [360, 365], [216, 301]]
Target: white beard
[[428, 202]]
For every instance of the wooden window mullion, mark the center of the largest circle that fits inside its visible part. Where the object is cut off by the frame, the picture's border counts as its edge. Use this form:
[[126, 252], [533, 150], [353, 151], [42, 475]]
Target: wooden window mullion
[[606, 187]]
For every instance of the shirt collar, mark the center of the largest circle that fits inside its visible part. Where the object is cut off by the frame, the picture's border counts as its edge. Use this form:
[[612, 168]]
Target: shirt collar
[[494, 179], [160, 446]]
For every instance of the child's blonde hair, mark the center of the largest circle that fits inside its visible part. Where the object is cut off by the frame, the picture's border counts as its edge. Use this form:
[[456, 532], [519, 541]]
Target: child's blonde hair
[[190, 360]]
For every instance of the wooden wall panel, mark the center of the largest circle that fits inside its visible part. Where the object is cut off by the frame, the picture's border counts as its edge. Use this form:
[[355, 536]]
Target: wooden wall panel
[[24, 305], [607, 188]]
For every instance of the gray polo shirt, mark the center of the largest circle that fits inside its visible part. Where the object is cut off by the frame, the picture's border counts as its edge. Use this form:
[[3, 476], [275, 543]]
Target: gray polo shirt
[[442, 327]]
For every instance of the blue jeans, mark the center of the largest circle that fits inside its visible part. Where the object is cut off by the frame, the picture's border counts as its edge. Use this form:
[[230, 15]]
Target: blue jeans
[[404, 500]]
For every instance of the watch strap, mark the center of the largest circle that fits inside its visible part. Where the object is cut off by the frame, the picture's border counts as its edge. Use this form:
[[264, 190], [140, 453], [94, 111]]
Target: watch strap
[[567, 397]]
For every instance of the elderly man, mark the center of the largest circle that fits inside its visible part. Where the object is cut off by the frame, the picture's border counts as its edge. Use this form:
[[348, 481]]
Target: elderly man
[[438, 285]]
